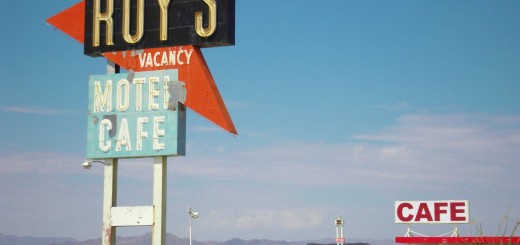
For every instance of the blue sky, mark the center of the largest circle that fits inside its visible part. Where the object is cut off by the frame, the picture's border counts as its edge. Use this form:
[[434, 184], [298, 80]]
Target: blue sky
[[342, 108]]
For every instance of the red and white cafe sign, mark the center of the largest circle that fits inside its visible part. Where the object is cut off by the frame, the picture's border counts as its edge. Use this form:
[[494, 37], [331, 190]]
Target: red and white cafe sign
[[446, 212], [441, 212]]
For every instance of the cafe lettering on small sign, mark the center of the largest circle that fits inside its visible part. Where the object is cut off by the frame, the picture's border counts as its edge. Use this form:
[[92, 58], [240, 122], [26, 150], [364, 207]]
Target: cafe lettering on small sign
[[445, 212], [136, 115], [117, 25]]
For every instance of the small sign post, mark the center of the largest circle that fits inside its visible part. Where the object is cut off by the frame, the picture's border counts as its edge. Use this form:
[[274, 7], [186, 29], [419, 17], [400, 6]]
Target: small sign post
[[340, 238]]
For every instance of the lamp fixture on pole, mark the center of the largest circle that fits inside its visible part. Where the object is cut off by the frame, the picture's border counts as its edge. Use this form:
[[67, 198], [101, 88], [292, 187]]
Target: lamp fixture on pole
[[88, 163], [193, 215]]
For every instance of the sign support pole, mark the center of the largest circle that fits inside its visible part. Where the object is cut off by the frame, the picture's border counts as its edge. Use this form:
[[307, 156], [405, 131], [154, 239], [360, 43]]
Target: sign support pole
[[109, 200], [110, 186], [159, 200]]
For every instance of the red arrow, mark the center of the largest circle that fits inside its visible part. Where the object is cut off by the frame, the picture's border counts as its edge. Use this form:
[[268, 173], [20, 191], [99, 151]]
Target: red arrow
[[202, 95], [71, 21]]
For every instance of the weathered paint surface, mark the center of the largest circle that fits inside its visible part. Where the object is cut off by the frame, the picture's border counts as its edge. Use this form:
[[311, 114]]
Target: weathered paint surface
[[132, 216], [136, 115], [109, 200]]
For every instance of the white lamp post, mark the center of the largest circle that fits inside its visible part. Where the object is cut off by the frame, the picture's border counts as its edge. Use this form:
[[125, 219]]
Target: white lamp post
[[193, 215], [340, 239]]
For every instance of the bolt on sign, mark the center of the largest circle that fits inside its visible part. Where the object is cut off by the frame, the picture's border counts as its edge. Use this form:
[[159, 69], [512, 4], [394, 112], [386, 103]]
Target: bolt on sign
[[136, 115], [445, 212]]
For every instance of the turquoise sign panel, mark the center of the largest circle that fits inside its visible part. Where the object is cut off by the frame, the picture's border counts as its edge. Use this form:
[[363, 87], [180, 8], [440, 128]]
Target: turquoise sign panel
[[136, 115]]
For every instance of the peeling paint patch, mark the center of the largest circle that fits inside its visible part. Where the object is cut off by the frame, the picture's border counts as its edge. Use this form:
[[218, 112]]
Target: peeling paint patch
[[177, 93], [131, 75], [108, 235], [137, 52], [113, 119]]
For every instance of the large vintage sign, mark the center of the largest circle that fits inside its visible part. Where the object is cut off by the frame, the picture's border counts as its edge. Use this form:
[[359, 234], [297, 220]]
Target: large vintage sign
[[117, 25], [142, 113], [202, 96], [452, 211], [136, 115]]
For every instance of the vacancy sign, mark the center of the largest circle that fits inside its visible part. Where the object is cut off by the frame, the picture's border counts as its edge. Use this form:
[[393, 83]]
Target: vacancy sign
[[446, 212], [136, 115]]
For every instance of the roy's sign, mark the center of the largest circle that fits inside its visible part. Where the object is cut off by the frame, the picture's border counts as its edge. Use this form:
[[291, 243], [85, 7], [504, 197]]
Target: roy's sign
[[432, 211], [136, 115], [117, 25]]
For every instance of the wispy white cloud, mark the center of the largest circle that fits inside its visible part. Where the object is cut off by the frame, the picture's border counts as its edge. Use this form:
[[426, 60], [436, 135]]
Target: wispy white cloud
[[422, 149], [39, 162], [36, 110], [248, 219], [425, 150], [449, 148]]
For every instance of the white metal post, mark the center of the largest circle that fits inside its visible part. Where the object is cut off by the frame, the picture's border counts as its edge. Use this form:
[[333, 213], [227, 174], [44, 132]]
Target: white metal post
[[108, 236], [109, 200], [192, 215], [337, 234], [190, 228], [340, 239], [159, 200]]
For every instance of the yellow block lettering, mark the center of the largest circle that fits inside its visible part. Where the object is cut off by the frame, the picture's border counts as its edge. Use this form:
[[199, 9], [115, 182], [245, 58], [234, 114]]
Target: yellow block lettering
[[212, 23], [107, 17]]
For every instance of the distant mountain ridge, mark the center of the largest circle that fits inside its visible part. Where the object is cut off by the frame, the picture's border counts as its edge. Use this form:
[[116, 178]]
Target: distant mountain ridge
[[28, 240], [171, 239]]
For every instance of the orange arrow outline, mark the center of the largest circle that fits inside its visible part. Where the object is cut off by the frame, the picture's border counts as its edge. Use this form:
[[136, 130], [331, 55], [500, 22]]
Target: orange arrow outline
[[202, 95], [71, 21]]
